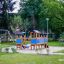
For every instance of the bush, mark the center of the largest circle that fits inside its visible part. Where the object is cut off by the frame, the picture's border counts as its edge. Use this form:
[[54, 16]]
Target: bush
[[62, 35], [50, 39]]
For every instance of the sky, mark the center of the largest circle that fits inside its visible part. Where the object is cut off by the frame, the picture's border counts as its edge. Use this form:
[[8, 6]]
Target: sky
[[17, 6]]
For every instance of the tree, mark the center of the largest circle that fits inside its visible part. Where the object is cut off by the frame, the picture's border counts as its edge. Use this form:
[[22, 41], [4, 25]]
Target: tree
[[15, 22], [55, 11], [5, 8], [36, 11], [30, 10]]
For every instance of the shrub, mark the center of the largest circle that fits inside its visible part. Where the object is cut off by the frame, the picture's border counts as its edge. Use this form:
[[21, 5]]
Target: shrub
[[62, 36]]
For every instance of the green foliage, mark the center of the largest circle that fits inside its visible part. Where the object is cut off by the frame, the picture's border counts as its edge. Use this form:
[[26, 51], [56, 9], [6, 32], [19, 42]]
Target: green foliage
[[30, 11], [15, 21], [55, 13], [5, 9], [36, 11], [62, 36]]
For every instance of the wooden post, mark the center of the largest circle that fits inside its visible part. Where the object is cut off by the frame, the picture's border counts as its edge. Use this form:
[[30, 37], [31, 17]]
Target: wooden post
[[36, 35], [31, 34], [24, 39]]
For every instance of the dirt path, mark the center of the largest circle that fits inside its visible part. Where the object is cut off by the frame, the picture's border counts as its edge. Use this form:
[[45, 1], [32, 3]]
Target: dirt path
[[52, 50]]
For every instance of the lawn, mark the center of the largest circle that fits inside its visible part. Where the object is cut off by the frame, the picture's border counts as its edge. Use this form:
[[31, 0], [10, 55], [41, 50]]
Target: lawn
[[55, 43], [17, 58], [6, 44]]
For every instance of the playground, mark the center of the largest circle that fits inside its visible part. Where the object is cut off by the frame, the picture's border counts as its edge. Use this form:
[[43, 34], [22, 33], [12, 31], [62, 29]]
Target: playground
[[31, 31], [34, 56], [35, 43]]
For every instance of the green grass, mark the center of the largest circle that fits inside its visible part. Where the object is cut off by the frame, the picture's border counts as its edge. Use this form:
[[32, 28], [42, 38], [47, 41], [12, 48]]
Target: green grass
[[3, 45], [16, 58], [55, 43], [6, 44]]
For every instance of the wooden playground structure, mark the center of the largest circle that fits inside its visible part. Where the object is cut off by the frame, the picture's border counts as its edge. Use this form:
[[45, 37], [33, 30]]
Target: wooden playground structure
[[36, 40]]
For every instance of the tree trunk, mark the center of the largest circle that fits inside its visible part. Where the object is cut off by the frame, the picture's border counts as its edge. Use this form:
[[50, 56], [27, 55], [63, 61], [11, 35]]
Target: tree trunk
[[33, 21]]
